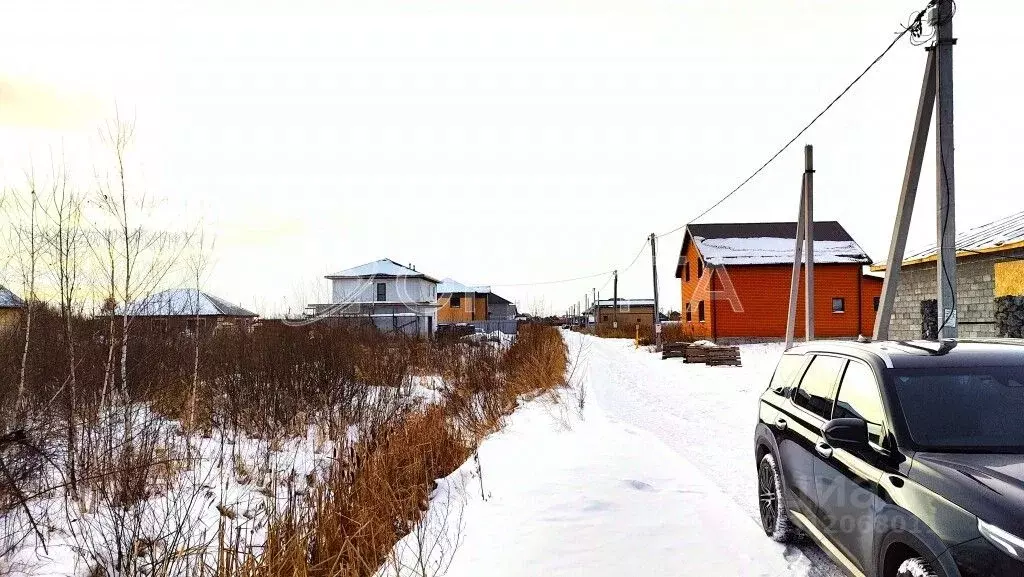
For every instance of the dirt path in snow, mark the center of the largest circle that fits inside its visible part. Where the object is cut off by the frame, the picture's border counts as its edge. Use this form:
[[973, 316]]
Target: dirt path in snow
[[706, 414]]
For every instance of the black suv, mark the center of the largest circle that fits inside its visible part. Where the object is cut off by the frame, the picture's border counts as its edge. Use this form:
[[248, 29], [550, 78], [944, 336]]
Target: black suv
[[898, 459]]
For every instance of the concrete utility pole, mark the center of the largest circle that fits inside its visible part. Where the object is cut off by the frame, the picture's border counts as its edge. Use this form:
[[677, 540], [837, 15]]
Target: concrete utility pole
[[615, 300], [654, 268], [945, 191], [809, 241], [908, 194], [794, 279]]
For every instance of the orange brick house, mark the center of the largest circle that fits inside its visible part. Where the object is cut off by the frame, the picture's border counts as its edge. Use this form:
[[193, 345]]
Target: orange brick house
[[735, 280]]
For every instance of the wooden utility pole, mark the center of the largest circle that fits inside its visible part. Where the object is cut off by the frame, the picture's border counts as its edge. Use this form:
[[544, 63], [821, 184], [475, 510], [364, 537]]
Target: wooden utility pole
[[945, 191], [615, 300], [809, 241], [597, 308], [654, 268], [908, 194]]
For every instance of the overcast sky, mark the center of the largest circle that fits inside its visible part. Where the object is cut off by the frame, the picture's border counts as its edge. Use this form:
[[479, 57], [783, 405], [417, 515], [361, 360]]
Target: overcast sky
[[500, 141]]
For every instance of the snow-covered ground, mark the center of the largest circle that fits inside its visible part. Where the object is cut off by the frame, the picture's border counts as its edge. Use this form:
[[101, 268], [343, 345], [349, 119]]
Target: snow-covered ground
[[653, 476]]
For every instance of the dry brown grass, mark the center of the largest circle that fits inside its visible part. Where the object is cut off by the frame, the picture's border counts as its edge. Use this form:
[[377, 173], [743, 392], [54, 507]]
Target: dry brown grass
[[377, 495]]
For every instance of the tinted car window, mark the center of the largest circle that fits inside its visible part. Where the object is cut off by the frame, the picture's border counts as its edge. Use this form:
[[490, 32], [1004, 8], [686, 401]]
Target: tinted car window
[[859, 398], [963, 408], [815, 392], [787, 369]]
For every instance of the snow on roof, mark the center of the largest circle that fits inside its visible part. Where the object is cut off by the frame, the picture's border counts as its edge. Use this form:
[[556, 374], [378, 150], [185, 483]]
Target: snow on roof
[[186, 302], [384, 267], [1003, 234], [770, 243], [9, 300], [451, 286]]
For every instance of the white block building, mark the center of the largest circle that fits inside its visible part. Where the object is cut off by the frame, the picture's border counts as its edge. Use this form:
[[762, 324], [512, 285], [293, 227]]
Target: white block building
[[395, 297]]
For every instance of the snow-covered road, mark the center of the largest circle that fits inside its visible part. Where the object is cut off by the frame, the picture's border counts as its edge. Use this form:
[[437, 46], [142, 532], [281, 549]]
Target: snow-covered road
[[652, 477], [704, 414]]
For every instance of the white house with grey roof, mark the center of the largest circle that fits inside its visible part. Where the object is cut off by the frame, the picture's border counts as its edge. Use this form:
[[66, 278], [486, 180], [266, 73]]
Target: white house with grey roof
[[394, 297]]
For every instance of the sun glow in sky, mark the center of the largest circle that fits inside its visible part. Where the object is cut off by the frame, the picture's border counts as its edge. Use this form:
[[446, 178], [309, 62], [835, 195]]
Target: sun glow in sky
[[497, 141]]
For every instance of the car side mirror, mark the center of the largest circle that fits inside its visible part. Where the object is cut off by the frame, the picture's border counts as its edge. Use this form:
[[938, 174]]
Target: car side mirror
[[847, 433]]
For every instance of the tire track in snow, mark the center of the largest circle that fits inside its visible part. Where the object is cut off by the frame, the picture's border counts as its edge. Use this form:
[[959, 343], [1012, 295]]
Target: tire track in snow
[[705, 414]]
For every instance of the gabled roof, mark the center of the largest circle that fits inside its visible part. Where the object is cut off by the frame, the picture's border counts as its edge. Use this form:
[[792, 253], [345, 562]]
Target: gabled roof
[[452, 286], [383, 268], [186, 303], [759, 243], [9, 300], [1004, 234]]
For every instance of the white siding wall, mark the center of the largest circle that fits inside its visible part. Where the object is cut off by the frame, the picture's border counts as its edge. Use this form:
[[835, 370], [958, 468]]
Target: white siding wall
[[408, 290]]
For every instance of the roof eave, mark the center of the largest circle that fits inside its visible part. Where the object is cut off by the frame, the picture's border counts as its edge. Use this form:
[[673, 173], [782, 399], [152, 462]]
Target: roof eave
[[880, 267]]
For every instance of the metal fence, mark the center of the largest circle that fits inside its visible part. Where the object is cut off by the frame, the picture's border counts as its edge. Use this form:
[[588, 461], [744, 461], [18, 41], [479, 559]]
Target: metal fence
[[509, 327]]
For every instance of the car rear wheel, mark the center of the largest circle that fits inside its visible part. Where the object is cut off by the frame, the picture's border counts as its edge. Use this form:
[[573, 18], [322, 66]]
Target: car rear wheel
[[916, 567], [774, 517]]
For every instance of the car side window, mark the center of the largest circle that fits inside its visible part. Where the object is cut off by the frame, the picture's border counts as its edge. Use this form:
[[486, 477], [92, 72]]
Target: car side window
[[788, 367], [859, 398], [818, 385]]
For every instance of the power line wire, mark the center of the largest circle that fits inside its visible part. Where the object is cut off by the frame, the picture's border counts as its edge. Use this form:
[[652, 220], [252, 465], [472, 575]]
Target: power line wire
[[552, 281], [900, 35]]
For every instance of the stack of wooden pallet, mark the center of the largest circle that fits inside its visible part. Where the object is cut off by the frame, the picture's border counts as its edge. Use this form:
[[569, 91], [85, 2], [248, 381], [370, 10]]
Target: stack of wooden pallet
[[713, 356]]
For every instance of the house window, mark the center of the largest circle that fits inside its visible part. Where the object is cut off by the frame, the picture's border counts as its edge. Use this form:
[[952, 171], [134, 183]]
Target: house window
[[700, 311], [604, 318], [382, 292], [838, 305], [689, 314], [686, 270], [876, 301], [455, 301], [700, 268]]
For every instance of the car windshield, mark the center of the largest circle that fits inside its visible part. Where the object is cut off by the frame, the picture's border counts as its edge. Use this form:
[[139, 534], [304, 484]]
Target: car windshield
[[957, 409]]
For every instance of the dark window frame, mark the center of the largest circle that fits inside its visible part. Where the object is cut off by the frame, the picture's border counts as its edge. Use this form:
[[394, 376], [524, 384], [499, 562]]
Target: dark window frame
[[876, 302], [382, 292], [700, 268], [686, 270], [841, 301], [455, 301], [701, 317], [689, 313]]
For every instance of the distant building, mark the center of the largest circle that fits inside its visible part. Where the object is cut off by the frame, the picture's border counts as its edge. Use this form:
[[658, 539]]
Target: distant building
[[11, 309], [989, 263], [392, 296], [464, 303], [190, 308], [629, 314], [735, 281]]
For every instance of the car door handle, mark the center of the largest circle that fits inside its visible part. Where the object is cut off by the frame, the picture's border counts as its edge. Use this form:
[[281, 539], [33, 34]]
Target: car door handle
[[823, 449], [781, 424]]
